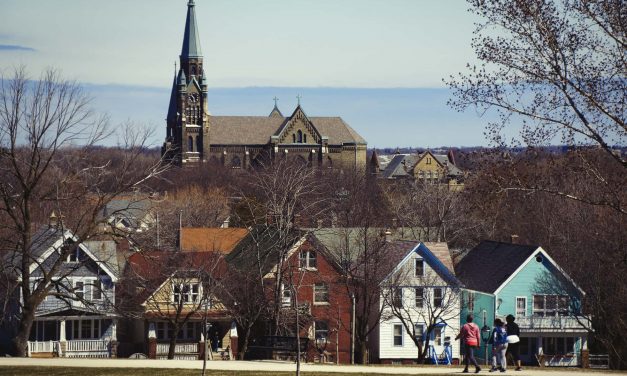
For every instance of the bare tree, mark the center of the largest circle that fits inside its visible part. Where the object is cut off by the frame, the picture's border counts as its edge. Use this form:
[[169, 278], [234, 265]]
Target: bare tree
[[557, 67], [47, 135]]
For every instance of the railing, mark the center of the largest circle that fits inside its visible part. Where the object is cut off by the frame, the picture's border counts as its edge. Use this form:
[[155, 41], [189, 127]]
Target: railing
[[43, 347], [179, 348], [88, 345], [551, 323], [599, 361]]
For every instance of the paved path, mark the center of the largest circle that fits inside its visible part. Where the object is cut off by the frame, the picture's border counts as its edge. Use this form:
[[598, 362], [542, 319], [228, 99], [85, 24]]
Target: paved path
[[271, 366]]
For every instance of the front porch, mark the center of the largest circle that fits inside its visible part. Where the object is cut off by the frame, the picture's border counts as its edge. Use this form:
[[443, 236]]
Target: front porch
[[73, 337]]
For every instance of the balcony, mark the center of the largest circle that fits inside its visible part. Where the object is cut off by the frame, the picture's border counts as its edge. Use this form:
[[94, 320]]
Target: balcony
[[564, 324]]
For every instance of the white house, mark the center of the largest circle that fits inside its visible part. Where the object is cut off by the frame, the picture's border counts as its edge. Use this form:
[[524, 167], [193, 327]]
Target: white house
[[420, 302]]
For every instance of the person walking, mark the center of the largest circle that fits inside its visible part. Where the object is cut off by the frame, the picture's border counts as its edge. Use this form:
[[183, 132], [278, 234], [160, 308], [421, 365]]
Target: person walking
[[470, 339], [499, 346], [513, 340]]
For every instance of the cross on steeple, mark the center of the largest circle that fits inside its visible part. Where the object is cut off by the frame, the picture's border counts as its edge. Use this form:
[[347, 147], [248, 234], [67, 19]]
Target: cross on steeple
[[275, 100], [298, 97]]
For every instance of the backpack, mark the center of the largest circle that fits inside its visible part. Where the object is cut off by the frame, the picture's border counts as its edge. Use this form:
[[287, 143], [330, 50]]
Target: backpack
[[501, 336]]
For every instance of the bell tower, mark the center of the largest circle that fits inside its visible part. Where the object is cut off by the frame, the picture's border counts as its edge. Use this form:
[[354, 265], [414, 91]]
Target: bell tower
[[188, 115]]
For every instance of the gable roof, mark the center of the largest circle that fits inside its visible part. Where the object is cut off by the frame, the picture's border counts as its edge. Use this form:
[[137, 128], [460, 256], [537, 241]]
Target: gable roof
[[106, 253], [437, 256], [488, 265], [221, 240]]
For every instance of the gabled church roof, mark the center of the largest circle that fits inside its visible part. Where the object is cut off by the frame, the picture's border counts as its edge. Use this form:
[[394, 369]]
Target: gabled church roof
[[191, 40], [172, 106]]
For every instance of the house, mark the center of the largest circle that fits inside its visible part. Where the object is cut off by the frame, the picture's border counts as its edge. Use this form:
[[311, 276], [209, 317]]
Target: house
[[128, 214], [310, 283], [420, 304], [524, 281], [426, 167], [77, 318], [174, 295]]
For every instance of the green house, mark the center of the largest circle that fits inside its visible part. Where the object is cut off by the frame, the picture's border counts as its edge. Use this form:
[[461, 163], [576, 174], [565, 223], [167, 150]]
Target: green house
[[524, 281]]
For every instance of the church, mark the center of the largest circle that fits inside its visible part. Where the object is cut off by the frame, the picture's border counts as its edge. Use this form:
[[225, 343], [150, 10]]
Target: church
[[193, 135]]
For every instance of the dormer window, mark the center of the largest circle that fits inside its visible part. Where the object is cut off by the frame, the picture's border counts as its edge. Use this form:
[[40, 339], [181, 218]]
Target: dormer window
[[308, 260], [73, 256], [79, 289], [186, 293], [419, 268]]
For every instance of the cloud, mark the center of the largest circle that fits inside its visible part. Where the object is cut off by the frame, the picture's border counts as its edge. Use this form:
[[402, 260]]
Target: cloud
[[15, 47]]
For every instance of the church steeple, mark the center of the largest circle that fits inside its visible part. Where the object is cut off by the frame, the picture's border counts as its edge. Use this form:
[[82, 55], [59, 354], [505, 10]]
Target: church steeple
[[191, 54]]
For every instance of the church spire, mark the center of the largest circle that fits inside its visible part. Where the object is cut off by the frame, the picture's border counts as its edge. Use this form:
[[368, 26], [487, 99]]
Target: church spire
[[191, 41]]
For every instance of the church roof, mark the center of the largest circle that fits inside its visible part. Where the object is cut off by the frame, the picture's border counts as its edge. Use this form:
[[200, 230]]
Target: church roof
[[191, 40], [256, 130]]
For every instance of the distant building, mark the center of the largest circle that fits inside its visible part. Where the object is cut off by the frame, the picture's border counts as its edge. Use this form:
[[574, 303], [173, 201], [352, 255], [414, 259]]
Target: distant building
[[426, 167], [194, 135]]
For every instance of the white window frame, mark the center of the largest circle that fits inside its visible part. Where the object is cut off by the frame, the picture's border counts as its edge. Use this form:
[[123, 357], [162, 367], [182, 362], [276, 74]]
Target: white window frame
[[422, 262], [307, 258], [422, 297], [95, 328], [422, 327], [325, 291], [441, 298], [316, 329], [516, 306], [471, 301], [394, 326], [73, 255], [186, 293], [82, 290], [286, 296], [397, 299], [557, 311]]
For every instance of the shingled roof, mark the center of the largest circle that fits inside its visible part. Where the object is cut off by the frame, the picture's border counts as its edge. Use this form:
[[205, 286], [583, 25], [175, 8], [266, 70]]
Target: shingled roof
[[489, 264], [206, 239], [256, 130]]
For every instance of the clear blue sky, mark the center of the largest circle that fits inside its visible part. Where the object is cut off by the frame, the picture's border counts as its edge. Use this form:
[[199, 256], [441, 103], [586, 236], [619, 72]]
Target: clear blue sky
[[377, 63]]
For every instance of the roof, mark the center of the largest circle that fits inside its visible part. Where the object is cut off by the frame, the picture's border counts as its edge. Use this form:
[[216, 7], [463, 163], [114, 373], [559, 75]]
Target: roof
[[221, 240], [442, 253], [444, 161], [106, 252], [132, 210], [260, 250], [257, 130], [191, 40], [489, 264]]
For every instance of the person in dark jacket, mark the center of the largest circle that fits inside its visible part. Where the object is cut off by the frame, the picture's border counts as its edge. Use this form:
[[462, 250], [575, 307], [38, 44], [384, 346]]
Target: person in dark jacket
[[513, 336]]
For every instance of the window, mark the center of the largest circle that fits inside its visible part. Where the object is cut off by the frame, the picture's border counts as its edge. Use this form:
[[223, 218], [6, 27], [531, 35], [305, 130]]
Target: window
[[471, 301], [190, 143], [300, 136], [85, 329], [397, 297], [305, 138], [161, 327], [79, 289], [236, 162], [419, 268], [286, 296], [96, 292], [308, 259], [419, 332], [428, 160], [398, 335], [321, 329], [188, 331], [521, 306], [321, 293], [294, 138], [437, 336], [550, 305], [74, 254], [420, 297], [187, 293], [438, 297]]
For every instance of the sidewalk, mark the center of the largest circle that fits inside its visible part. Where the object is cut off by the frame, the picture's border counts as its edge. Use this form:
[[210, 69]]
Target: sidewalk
[[271, 366]]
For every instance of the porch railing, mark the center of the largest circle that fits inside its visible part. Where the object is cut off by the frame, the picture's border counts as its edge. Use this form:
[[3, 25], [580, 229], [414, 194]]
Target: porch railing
[[552, 323], [43, 347], [182, 351]]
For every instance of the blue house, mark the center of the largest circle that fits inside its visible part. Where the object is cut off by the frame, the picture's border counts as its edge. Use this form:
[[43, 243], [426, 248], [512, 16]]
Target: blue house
[[524, 281]]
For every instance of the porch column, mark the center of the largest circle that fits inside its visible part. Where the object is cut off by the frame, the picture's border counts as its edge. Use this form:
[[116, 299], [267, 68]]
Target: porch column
[[201, 344], [114, 339], [585, 353], [152, 341], [234, 341], [62, 339], [540, 351]]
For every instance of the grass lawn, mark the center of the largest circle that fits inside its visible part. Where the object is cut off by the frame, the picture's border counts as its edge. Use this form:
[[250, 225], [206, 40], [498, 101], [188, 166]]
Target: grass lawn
[[63, 371]]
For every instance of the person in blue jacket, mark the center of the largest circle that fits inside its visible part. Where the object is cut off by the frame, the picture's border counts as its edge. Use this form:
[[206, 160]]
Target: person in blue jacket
[[499, 346]]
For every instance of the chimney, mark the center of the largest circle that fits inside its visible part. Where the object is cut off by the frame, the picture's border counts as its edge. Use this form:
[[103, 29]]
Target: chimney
[[515, 239], [388, 235]]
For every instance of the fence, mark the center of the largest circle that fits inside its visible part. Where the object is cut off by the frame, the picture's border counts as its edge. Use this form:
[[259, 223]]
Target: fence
[[599, 361]]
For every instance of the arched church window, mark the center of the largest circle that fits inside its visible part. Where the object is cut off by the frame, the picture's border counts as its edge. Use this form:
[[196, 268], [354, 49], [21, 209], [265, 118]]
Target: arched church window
[[236, 162], [300, 136], [190, 143], [193, 70], [198, 144], [294, 138], [304, 137]]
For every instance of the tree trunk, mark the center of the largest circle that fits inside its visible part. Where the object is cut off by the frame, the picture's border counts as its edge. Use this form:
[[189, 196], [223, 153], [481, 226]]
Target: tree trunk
[[20, 342], [363, 352], [172, 348], [242, 349]]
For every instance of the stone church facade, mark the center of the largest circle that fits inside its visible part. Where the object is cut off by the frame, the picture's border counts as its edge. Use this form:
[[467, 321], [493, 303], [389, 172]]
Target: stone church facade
[[193, 135]]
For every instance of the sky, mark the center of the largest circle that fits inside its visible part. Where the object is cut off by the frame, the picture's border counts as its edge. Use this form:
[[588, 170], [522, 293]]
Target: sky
[[378, 64]]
